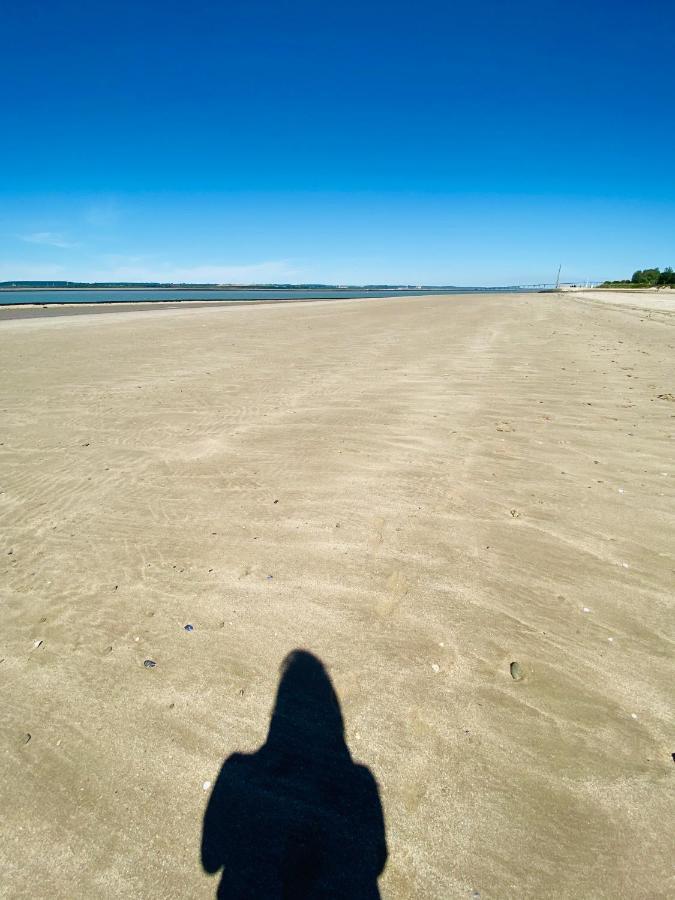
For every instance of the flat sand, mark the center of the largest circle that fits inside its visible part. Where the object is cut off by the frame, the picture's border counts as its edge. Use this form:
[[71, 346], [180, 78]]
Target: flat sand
[[420, 491]]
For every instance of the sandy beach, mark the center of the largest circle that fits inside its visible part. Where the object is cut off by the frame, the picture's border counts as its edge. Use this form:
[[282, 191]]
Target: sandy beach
[[420, 491]]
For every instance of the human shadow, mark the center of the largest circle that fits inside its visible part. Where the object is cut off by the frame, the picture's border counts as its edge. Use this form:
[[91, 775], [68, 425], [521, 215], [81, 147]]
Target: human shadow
[[297, 819]]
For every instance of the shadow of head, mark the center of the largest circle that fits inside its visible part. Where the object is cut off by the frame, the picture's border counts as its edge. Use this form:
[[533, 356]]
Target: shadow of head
[[297, 818]]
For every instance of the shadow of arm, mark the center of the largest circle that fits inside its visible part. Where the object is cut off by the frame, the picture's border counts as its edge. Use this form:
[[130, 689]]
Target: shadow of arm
[[212, 830], [221, 819], [374, 818]]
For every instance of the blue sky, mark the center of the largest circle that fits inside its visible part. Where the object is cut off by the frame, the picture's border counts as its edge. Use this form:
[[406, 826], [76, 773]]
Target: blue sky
[[437, 142]]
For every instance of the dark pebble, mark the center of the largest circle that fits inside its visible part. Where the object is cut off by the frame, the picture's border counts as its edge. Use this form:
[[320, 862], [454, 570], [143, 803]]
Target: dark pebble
[[149, 663], [517, 672]]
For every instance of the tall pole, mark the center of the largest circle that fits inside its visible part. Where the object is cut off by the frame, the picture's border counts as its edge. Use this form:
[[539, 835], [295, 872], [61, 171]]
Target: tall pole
[[557, 280]]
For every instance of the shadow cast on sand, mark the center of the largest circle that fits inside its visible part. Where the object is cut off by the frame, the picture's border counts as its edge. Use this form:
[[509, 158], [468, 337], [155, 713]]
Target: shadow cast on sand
[[297, 818]]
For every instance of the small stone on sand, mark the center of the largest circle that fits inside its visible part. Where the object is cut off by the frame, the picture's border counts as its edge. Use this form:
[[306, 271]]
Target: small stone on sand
[[517, 672]]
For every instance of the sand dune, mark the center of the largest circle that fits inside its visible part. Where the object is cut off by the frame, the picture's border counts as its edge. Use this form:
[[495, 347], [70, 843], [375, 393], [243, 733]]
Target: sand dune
[[438, 487]]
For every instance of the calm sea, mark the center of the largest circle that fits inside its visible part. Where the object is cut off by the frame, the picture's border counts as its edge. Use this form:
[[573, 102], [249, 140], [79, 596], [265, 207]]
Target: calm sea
[[145, 296]]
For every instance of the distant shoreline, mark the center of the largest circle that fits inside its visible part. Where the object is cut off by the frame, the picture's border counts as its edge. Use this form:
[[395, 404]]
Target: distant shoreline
[[14, 311], [243, 287], [125, 297]]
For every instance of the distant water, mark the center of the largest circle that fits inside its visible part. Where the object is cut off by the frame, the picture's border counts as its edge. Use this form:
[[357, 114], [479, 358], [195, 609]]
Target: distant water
[[146, 296]]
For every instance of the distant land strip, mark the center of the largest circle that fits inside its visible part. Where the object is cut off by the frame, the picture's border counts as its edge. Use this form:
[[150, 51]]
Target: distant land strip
[[183, 286]]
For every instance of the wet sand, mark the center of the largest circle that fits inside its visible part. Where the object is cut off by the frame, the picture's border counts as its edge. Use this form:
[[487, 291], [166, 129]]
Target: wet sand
[[51, 310], [420, 491]]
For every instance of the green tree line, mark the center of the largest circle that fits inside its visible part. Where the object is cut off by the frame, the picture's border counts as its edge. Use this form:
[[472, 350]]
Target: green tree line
[[653, 277], [649, 278]]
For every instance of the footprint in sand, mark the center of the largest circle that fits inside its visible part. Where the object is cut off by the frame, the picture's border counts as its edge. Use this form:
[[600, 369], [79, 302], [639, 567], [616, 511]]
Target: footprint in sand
[[377, 536], [396, 588]]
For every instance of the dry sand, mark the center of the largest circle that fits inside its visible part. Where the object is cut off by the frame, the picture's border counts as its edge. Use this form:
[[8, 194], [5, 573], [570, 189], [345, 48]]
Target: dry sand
[[462, 482]]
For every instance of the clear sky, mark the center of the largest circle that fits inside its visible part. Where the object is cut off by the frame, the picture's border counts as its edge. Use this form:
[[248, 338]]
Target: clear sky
[[477, 142]]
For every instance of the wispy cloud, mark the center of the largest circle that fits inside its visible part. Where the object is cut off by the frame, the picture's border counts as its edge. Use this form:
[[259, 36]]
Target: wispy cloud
[[144, 269], [49, 239], [103, 213], [22, 271]]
